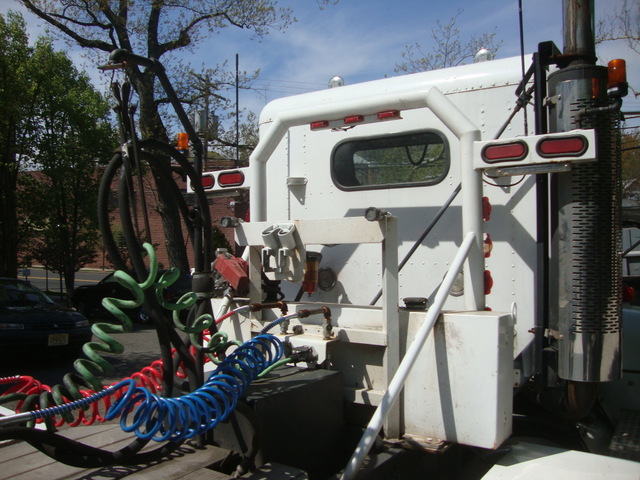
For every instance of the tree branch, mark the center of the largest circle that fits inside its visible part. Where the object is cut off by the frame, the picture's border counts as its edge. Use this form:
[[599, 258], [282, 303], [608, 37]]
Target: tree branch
[[82, 41]]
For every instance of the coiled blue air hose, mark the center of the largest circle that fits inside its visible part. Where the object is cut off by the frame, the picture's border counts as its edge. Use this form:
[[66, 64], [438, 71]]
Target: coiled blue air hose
[[161, 419]]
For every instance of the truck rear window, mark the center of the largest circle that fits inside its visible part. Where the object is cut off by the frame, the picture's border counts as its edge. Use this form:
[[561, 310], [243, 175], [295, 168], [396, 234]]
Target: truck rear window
[[390, 161]]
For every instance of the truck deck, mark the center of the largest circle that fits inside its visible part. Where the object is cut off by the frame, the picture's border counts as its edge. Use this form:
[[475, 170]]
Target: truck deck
[[20, 461]]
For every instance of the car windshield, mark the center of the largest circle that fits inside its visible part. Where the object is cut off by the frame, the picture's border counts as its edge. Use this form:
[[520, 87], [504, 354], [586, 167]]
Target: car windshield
[[20, 293]]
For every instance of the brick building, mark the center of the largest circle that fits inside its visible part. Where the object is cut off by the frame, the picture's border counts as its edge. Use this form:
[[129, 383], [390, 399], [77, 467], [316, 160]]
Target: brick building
[[218, 208]]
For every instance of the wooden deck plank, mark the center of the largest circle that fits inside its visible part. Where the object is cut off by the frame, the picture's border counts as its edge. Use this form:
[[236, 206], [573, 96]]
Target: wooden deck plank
[[21, 461], [270, 471], [204, 474], [85, 433], [110, 437]]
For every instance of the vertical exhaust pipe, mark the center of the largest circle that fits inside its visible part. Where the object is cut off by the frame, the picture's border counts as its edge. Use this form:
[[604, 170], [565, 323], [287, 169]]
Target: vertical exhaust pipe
[[585, 265], [579, 31]]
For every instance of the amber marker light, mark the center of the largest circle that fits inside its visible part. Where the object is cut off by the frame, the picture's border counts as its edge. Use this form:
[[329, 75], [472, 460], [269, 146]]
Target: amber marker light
[[182, 142], [617, 85]]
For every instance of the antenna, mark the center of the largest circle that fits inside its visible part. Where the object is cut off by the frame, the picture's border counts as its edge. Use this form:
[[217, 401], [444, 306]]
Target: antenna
[[237, 114]]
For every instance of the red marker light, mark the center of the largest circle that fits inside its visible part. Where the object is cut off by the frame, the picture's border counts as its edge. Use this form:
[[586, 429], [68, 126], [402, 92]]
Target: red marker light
[[319, 125], [504, 152], [208, 181], [486, 209], [488, 282], [231, 179], [353, 119], [573, 146], [389, 115]]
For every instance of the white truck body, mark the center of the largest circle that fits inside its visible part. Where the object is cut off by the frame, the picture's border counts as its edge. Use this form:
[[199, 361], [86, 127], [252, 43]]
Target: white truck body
[[459, 387]]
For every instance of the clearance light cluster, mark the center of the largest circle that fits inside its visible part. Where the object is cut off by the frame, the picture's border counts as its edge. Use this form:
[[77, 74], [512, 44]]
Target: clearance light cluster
[[352, 120], [222, 180], [536, 153], [546, 147]]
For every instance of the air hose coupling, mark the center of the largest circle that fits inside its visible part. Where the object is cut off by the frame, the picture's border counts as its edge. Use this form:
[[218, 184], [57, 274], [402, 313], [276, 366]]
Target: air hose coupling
[[256, 307], [327, 327]]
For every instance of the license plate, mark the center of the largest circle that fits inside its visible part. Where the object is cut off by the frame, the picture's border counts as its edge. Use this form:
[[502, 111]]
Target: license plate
[[56, 339]]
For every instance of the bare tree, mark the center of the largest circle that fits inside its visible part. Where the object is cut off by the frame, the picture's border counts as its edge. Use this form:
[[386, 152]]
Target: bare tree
[[449, 50], [155, 29], [622, 24]]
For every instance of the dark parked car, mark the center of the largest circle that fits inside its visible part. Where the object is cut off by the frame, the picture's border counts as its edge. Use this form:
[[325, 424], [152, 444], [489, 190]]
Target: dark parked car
[[31, 322], [88, 298]]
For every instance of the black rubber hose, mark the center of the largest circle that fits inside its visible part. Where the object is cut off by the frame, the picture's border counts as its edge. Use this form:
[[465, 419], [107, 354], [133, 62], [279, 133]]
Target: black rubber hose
[[77, 454]]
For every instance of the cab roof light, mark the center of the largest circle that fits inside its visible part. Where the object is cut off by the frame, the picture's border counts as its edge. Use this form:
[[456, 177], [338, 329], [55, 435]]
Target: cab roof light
[[565, 146], [389, 115], [319, 125], [617, 85], [208, 181], [233, 178], [353, 119], [505, 152]]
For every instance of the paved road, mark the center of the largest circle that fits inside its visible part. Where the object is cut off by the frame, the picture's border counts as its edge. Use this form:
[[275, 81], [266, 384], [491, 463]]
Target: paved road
[[141, 346], [49, 281], [140, 349]]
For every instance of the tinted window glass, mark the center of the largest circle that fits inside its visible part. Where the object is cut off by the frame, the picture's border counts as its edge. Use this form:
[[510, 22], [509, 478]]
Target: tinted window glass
[[17, 292], [391, 161]]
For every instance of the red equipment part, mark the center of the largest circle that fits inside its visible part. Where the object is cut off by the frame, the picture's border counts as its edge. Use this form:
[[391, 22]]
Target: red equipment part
[[234, 270]]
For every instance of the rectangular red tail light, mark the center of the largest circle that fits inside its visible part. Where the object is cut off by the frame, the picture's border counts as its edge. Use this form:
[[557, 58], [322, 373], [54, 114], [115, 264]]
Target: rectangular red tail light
[[231, 179], [570, 145], [319, 125], [503, 152], [208, 181], [353, 119]]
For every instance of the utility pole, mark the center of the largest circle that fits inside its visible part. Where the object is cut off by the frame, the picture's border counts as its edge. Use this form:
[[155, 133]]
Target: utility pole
[[237, 113]]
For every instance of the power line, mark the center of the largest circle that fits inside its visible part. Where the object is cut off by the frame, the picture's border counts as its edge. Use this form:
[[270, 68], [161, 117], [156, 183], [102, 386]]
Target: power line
[[289, 81]]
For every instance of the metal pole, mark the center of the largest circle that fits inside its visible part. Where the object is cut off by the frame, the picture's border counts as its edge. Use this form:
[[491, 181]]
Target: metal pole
[[237, 113], [579, 31], [397, 383], [206, 131]]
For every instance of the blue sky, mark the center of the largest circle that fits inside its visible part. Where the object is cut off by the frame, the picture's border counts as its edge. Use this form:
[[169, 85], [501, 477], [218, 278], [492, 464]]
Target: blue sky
[[362, 40]]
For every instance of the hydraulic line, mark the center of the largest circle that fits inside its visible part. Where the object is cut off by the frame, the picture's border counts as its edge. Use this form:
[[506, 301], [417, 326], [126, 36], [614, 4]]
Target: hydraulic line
[[85, 382], [171, 419], [94, 403], [174, 419]]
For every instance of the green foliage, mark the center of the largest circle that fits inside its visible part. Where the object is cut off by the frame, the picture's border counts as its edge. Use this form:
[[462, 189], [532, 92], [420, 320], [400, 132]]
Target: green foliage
[[219, 239], [71, 137], [16, 101], [157, 30]]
